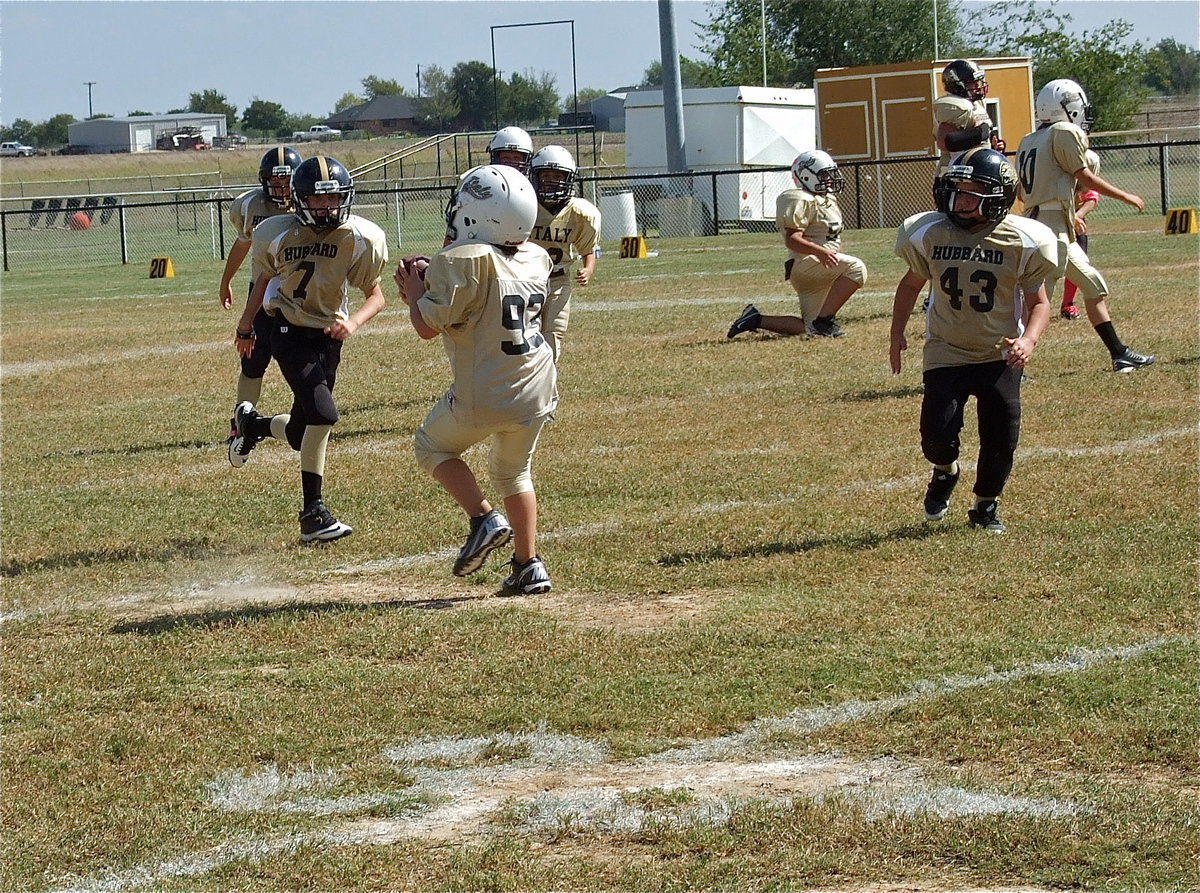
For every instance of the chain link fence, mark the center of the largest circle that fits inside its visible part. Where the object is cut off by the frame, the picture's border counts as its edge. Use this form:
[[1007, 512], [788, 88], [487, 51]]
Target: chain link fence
[[58, 232]]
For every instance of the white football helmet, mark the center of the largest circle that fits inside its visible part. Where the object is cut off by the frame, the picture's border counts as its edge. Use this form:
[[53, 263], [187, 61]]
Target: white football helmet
[[494, 203], [511, 139], [816, 172], [1063, 100], [553, 191]]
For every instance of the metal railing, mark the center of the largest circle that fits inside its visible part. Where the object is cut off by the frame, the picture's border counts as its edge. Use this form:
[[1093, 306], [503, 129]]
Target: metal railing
[[55, 232]]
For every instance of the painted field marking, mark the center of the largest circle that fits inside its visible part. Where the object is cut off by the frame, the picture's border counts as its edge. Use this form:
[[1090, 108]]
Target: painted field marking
[[569, 779]]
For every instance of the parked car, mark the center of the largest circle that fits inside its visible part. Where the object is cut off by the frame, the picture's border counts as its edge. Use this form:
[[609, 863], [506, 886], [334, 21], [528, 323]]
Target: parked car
[[14, 148], [316, 132]]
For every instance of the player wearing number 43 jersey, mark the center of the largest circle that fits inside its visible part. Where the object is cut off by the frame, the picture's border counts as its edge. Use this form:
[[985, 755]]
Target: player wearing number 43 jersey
[[483, 294], [988, 310]]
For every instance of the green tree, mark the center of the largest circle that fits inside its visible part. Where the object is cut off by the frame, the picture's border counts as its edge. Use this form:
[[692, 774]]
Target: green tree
[[1173, 68], [474, 91], [52, 132], [376, 86], [268, 118], [137, 113], [585, 96], [691, 74], [348, 101], [438, 105], [214, 103], [804, 37], [528, 98], [1109, 67], [18, 130]]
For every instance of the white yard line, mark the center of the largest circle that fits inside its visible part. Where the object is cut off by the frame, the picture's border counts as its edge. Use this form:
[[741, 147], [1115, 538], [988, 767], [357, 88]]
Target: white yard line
[[567, 780]]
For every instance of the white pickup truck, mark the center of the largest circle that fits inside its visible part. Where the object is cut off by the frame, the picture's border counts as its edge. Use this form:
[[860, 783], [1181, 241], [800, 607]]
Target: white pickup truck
[[316, 132], [15, 149]]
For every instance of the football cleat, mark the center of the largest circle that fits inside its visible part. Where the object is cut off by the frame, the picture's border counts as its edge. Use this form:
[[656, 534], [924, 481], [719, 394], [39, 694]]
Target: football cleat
[[749, 321], [318, 525], [242, 442], [937, 494], [529, 578], [488, 533], [1130, 360], [984, 517], [1069, 311], [825, 327]]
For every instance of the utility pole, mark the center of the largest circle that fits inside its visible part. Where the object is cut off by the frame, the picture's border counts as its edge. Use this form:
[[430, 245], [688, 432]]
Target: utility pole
[[89, 86]]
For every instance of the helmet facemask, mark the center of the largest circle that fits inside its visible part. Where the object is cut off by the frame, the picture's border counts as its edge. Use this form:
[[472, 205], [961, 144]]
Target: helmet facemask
[[278, 186]]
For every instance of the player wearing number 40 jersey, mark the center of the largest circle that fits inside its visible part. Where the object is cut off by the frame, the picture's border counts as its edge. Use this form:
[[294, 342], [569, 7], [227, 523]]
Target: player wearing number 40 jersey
[[988, 310], [483, 294], [1051, 161]]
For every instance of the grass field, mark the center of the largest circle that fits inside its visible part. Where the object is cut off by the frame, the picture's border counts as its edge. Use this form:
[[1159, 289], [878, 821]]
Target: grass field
[[758, 669]]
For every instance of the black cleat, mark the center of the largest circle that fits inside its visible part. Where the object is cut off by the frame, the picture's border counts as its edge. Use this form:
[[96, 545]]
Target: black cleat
[[749, 321], [318, 525], [985, 517], [937, 494]]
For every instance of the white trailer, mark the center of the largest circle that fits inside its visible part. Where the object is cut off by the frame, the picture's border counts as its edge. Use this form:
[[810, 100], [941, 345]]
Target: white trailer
[[745, 128]]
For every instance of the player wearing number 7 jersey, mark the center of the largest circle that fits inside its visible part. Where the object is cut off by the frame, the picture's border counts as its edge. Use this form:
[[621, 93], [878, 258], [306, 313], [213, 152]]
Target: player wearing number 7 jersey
[[988, 309], [484, 294]]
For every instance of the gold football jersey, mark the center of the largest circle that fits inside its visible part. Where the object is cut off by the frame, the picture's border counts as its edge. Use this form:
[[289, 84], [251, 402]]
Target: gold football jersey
[[963, 114], [979, 282], [818, 217], [568, 235], [315, 267], [1047, 161], [487, 305], [249, 210]]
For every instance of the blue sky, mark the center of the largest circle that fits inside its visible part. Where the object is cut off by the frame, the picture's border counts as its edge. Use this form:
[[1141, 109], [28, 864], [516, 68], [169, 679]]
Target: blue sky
[[149, 55]]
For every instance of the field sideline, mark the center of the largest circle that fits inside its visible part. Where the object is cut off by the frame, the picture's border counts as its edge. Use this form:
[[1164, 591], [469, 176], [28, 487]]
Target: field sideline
[[758, 669]]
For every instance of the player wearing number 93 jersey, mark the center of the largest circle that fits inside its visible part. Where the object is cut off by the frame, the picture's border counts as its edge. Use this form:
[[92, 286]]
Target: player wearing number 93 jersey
[[484, 294]]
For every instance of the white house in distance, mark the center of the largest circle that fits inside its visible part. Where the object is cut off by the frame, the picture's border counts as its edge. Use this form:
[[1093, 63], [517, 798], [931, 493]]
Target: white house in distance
[[140, 133]]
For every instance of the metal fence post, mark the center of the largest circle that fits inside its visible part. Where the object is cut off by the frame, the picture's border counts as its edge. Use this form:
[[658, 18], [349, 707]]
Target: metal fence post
[[1164, 179], [716, 218], [121, 229]]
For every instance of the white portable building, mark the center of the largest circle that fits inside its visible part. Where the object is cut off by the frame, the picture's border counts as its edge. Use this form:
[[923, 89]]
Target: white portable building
[[744, 128], [140, 133]]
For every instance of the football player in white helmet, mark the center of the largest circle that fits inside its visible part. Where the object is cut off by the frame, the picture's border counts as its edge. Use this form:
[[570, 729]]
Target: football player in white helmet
[[483, 294], [312, 255], [568, 227], [960, 118], [1063, 100], [248, 210], [511, 146], [987, 268], [823, 277], [1052, 163]]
